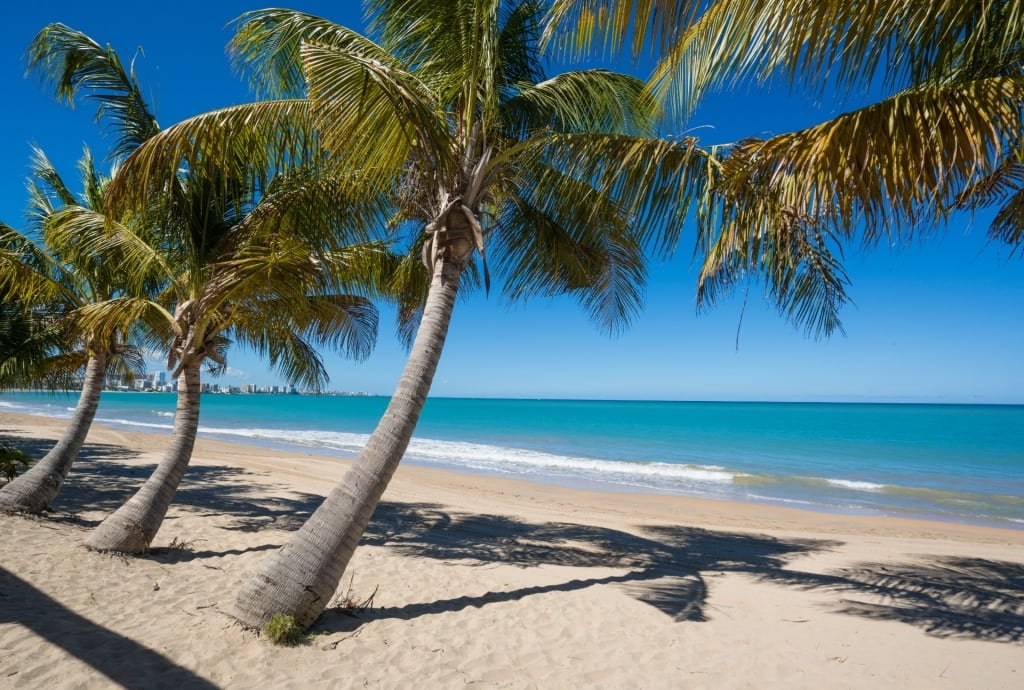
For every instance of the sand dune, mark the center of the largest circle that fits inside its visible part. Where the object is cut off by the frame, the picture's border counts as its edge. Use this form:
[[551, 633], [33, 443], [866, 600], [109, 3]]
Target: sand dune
[[474, 581]]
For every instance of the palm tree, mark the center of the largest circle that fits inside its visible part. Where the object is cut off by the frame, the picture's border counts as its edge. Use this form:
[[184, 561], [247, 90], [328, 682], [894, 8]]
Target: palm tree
[[449, 118], [944, 135], [209, 259], [243, 271], [60, 281]]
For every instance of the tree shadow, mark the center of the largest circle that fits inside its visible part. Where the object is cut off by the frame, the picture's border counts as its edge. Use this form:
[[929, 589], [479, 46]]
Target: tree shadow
[[212, 489], [946, 596], [664, 565], [124, 661]]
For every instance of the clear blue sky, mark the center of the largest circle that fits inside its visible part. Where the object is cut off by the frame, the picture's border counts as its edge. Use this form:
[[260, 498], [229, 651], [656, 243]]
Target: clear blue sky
[[935, 322]]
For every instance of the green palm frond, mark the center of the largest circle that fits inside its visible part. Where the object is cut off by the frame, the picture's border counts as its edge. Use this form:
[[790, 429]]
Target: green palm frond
[[117, 259], [323, 208], [1003, 188], [1008, 225], [371, 115], [266, 46], [655, 181], [344, 323], [591, 101], [518, 59], [31, 274], [600, 265], [710, 44], [246, 143], [126, 363], [881, 168], [581, 27], [95, 183], [30, 343], [409, 284], [796, 256], [107, 321], [71, 62], [454, 46]]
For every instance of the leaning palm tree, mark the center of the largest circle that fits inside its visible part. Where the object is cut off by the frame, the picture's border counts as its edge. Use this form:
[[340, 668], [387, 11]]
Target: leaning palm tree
[[234, 269], [941, 128], [207, 259], [60, 281], [449, 117]]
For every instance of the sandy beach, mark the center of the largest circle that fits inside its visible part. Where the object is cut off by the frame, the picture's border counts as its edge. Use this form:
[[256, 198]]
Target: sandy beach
[[465, 580]]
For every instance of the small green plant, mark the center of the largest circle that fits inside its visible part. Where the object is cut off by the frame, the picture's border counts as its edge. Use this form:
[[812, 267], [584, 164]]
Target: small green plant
[[283, 630], [12, 460]]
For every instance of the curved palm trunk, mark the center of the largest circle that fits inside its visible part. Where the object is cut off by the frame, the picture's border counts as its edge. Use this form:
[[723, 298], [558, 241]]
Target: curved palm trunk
[[300, 578], [33, 491], [132, 527]]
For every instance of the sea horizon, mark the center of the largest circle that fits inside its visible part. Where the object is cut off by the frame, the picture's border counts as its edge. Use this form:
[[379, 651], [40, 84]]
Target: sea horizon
[[958, 462]]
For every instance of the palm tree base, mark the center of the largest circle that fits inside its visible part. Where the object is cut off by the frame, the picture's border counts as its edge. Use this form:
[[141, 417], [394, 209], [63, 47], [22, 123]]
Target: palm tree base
[[120, 534]]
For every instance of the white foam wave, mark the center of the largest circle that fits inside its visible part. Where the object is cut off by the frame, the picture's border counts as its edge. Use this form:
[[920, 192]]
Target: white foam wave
[[856, 485], [132, 422], [504, 460]]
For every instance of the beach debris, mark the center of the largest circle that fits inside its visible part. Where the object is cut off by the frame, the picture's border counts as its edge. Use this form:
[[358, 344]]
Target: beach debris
[[352, 607]]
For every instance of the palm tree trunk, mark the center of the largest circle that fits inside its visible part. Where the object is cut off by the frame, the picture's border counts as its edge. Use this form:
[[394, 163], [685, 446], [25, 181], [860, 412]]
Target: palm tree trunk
[[300, 578], [132, 527], [33, 491]]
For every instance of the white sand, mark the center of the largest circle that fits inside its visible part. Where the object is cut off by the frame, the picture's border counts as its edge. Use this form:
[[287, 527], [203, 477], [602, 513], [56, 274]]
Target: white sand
[[499, 584]]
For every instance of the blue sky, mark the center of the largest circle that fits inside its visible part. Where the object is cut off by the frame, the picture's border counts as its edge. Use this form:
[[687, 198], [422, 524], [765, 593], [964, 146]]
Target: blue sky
[[937, 321]]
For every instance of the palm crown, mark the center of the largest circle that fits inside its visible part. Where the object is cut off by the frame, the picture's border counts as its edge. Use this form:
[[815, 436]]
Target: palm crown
[[450, 116], [941, 131]]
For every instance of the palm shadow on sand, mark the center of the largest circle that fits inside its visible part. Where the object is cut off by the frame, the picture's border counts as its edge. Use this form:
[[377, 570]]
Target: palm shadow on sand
[[946, 596], [665, 566], [668, 567], [124, 661]]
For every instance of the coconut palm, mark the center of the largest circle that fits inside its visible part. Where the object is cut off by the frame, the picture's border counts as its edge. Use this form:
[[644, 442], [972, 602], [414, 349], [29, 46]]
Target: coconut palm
[[210, 259], [449, 117], [242, 272], [58, 280], [937, 127]]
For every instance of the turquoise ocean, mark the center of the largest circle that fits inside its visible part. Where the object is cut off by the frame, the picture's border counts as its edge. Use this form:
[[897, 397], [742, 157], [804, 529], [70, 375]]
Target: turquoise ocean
[[961, 463]]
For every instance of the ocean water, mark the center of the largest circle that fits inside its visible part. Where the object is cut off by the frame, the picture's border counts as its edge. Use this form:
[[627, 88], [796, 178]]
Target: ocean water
[[962, 463]]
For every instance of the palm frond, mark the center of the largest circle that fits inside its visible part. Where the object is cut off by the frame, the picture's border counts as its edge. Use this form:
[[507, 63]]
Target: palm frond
[[71, 62], [564, 237], [797, 257], [248, 142], [886, 167], [107, 321], [453, 47], [593, 101], [266, 46], [31, 274], [1004, 188], [654, 181], [644, 27], [372, 115]]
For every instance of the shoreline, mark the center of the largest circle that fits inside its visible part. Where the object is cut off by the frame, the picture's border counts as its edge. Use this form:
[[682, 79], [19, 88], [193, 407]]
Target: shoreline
[[638, 498], [894, 511], [500, 583]]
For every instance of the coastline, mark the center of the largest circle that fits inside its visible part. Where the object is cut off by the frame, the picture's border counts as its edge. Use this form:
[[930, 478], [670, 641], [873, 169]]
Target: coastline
[[952, 464], [500, 582]]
